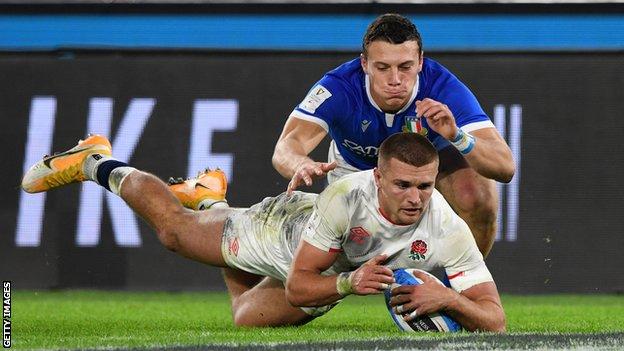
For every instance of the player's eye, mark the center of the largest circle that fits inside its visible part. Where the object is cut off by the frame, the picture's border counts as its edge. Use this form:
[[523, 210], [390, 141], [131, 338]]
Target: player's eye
[[402, 185], [425, 186]]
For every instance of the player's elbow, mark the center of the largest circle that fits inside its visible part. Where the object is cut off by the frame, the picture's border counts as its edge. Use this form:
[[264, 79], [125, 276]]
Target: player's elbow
[[508, 170], [297, 294], [497, 324], [292, 295], [277, 160]]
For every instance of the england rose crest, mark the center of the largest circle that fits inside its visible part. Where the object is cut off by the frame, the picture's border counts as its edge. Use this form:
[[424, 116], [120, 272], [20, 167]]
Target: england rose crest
[[418, 250]]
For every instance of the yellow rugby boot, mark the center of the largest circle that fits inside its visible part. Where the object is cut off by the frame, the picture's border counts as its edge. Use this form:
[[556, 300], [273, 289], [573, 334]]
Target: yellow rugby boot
[[202, 192], [65, 167]]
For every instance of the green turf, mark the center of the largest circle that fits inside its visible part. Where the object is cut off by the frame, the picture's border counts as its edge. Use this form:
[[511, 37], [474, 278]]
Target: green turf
[[90, 319]]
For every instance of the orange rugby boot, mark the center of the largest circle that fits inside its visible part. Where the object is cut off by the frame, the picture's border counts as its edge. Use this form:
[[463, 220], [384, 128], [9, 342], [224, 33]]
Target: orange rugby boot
[[65, 167], [205, 191]]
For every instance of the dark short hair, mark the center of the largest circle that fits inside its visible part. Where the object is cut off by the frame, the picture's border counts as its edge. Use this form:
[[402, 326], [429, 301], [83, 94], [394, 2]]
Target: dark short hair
[[411, 148], [391, 28]]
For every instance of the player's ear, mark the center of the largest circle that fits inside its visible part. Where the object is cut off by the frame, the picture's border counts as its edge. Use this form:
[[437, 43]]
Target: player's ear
[[377, 176], [420, 60], [363, 62]]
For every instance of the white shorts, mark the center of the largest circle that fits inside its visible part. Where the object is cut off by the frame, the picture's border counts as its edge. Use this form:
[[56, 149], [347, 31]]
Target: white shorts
[[263, 238]]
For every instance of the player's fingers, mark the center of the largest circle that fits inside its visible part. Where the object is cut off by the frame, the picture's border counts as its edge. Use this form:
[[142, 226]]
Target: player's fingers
[[423, 107], [329, 166], [421, 275], [433, 119], [404, 308], [431, 110], [403, 289], [306, 178], [376, 260], [399, 300], [436, 115], [383, 278], [383, 270], [411, 315], [373, 284], [292, 185]]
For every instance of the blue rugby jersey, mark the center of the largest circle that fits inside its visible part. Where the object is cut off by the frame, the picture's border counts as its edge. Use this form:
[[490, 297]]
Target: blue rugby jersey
[[341, 103]]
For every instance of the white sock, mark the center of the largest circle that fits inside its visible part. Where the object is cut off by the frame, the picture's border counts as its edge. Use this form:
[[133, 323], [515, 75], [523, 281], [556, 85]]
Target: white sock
[[208, 204], [117, 177], [91, 164]]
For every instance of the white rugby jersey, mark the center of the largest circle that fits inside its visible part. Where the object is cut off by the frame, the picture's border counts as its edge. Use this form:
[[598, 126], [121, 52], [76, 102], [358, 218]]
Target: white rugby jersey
[[346, 219]]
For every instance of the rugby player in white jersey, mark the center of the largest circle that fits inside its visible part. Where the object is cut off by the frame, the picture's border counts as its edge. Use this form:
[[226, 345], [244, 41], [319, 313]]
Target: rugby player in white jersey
[[289, 259]]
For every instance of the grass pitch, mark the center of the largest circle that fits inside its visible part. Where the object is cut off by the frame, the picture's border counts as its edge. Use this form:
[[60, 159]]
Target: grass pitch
[[97, 319]]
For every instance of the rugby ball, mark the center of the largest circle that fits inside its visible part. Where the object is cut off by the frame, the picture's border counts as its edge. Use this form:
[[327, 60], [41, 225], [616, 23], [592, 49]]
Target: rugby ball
[[434, 322]]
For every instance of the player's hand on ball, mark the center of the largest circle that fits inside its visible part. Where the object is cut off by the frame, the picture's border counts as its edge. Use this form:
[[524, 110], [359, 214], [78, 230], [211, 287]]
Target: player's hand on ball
[[439, 117], [308, 171], [372, 277], [417, 300]]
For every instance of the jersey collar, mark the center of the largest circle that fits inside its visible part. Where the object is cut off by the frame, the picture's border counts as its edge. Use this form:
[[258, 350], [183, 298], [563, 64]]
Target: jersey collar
[[372, 101]]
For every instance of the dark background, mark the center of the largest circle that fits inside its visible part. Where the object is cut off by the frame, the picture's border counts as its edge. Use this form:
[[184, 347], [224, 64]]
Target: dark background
[[570, 232]]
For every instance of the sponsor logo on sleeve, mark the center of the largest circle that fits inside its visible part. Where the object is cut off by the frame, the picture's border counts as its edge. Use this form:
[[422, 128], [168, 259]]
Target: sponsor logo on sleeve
[[358, 235], [315, 98]]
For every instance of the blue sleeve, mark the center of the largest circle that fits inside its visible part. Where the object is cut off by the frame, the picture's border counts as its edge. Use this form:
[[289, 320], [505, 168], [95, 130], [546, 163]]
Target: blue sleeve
[[325, 103], [449, 90]]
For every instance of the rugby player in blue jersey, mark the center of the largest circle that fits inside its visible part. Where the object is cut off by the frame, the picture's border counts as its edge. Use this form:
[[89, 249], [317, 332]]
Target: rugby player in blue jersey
[[390, 88]]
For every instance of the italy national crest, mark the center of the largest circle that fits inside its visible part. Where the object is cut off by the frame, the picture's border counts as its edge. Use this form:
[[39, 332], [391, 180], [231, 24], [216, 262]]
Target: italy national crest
[[414, 124]]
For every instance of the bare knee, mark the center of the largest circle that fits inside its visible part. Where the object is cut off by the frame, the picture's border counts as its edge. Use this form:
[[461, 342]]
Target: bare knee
[[169, 231], [265, 305], [168, 238], [244, 316]]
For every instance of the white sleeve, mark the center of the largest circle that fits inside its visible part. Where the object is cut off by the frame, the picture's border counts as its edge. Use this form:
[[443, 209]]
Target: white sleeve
[[464, 263], [328, 222]]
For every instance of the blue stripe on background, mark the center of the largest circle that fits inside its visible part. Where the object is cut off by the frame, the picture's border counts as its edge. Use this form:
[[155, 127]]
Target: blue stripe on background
[[303, 32]]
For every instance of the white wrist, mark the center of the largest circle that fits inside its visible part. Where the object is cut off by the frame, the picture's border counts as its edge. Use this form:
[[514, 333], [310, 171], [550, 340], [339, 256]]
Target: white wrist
[[343, 284]]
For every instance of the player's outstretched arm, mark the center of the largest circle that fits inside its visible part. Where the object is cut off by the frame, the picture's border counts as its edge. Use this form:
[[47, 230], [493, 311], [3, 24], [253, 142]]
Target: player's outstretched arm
[[491, 156], [290, 157], [306, 287], [484, 149], [477, 308]]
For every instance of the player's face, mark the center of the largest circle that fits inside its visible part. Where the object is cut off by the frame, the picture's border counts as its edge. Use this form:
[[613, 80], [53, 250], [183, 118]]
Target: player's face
[[392, 70], [404, 190]]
